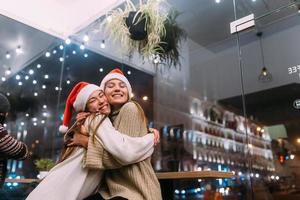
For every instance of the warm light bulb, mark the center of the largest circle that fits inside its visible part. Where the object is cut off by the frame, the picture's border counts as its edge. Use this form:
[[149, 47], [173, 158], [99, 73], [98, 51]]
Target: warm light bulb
[[68, 41], [47, 54], [86, 38], [7, 55], [102, 45]]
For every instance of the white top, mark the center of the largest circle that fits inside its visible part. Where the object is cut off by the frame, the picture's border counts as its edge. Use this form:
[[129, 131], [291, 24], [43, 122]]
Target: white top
[[68, 180]]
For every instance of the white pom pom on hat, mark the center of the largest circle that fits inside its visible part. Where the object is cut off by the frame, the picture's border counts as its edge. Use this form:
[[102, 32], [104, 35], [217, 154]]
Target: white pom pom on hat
[[77, 99]]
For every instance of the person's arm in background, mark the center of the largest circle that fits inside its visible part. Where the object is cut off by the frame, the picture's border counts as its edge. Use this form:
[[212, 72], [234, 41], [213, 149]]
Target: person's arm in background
[[11, 148]]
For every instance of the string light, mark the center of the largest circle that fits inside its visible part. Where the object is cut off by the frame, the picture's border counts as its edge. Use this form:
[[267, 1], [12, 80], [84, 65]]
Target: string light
[[20, 83], [3, 78], [86, 38], [74, 52], [46, 76], [54, 51], [68, 81], [68, 41], [102, 45], [44, 86], [128, 72], [8, 71], [61, 47], [47, 54], [34, 82], [145, 98], [26, 77], [85, 55], [7, 55], [18, 77], [38, 66], [82, 47], [31, 71], [19, 50]]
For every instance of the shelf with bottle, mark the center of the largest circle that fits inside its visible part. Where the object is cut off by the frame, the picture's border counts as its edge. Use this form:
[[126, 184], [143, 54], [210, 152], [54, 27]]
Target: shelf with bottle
[[213, 128], [202, 139]]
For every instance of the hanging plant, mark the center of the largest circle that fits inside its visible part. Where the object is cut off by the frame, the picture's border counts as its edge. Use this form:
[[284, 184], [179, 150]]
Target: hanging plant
[[146, 31], [169, 44]]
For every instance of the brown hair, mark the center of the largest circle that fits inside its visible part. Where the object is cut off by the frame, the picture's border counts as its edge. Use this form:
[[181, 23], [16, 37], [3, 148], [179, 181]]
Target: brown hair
[[68, 151], [141, 112]]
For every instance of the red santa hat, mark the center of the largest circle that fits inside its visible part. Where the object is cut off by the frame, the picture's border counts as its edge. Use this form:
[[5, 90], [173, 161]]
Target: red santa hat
[[77, 99], [116, 74]]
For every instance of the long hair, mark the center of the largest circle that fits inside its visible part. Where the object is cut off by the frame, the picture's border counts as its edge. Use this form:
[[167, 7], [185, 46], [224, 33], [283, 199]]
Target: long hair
[[141, 113], [68, 151]]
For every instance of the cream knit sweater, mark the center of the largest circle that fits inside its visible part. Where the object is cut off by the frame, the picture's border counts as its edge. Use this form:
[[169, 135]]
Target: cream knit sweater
[[134, 182]]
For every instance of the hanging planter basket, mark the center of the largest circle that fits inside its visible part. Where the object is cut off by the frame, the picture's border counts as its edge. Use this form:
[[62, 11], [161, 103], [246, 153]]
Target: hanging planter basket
[[136, 24]]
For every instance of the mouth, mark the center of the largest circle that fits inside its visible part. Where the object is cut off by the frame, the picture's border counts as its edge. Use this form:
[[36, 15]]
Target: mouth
[[117, 95]]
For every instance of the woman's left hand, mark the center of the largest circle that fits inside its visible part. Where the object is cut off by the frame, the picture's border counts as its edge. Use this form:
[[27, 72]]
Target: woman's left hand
[[156, 135]]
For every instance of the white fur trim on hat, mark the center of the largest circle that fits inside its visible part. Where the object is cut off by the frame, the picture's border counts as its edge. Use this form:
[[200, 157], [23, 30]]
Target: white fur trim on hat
[[63, 129], [118, 76], [83, 96]]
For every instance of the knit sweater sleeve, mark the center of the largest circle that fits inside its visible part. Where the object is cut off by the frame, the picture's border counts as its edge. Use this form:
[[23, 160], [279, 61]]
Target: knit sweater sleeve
[[124, 148], [100, 158], [11, 148], [129, 122]]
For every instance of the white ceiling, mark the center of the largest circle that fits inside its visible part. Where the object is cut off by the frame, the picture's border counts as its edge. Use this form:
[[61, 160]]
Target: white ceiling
[[59, 18]]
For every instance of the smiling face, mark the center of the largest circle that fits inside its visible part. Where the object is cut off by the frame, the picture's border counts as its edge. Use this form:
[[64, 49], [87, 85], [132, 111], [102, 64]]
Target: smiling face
[[97, 102], [116, 92]]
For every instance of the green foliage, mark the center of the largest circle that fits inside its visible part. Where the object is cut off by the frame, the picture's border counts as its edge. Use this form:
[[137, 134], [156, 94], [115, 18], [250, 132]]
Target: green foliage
[[44, 164]]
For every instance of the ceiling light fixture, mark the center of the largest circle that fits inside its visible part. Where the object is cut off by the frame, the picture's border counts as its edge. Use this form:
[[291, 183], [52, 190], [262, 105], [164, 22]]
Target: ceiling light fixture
[[265, 75]]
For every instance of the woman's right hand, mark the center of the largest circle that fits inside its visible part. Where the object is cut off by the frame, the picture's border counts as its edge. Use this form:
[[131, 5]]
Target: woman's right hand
[[156, 135], [80, 117]]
